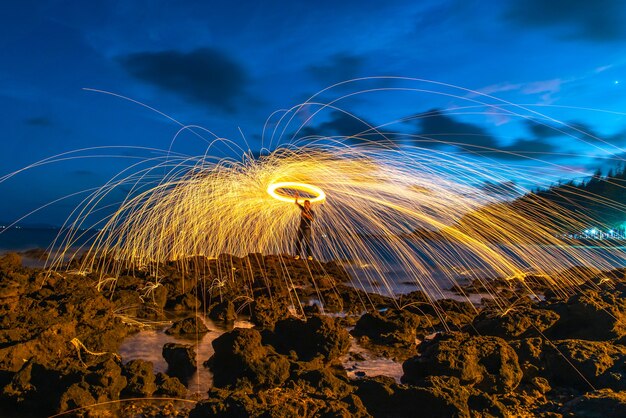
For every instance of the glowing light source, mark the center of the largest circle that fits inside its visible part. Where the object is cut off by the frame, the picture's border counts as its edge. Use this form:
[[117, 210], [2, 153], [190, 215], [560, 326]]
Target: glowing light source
[[273, 190]]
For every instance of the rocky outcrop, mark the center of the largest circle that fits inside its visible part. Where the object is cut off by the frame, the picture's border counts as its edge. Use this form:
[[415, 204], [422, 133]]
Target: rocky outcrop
[[485, 363], [318, 336], [241, 359], [603, 403], [513, 323], [140, 378], [188, 327], [181, 360]]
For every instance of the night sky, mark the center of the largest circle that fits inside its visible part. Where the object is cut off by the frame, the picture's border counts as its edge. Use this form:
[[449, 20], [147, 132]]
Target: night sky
[[226, 66]]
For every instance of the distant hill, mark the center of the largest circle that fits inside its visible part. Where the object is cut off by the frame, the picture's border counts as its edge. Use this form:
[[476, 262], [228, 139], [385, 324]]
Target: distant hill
[[599, 198]]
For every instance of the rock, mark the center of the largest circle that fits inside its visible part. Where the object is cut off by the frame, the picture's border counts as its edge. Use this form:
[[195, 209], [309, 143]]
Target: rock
[[486, 363], [287, 402], [600, 363], [519, 322], [392, 327], [10, 261], [35, 389], [267, 311], [181, 360], [191, 326], [105, 379], [184, 302], [439, 397], [76, 396], [603, 403], [241, 359], [223, 311], [159, 296], [318, 336], [590, 315], [140, 378], [169, 386]]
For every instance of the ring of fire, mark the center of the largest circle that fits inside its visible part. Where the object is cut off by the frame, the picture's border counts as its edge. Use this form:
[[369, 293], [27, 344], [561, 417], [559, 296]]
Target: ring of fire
[[272, 190]]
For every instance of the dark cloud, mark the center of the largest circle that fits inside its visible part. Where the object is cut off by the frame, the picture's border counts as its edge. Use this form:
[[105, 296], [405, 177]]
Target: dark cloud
[[355, 130], [437, 129], [598, 20], [578, 130], [339, 67], [38, 121], [205, 75]]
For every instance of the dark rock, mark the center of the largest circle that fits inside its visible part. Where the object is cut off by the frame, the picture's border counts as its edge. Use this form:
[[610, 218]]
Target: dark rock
[[287, 402], [223, 311], [580, 363], [267, 311], [10, 261], [169, 386], [184, 302], [392, 327], [241, 359], [76, 396], [519, 322], [105, 379], [591, 315], [159, 296], [603, 403], [318, 336], [35, 389], [437, 397], [487, 363], [191, 326], [140, 378], [181, 360]]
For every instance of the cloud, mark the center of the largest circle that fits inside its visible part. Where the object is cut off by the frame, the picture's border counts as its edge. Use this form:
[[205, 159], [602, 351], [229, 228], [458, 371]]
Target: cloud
[[437, 130], [546, 89], [598, 21], [41, 121], [339, 67], [356, 130], [206, 76]]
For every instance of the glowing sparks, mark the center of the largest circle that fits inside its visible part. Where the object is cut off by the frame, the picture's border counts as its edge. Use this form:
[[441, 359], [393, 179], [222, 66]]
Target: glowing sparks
[[317, 194]]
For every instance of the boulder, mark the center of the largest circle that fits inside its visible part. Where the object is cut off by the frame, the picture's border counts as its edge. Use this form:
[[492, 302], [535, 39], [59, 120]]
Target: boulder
[[437, 397], [191, 326], [394, 327], [181, 360], [318, 336], [486, 363], [519, 322], [287, 402], [223, 311], [590, 315], [241, 359], [265, 311], [579, 364], [169, 387], [140, 378], [10, 261], [602, 403]]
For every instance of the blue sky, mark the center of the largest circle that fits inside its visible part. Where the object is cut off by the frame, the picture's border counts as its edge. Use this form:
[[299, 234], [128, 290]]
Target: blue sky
[[227, 66]]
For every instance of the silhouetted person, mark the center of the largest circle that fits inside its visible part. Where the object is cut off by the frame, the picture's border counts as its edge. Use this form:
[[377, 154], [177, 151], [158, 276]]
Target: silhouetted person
[[303, 238]]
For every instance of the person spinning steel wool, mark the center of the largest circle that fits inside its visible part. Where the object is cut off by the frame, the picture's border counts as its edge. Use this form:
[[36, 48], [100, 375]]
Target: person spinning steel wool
[[303, 237]]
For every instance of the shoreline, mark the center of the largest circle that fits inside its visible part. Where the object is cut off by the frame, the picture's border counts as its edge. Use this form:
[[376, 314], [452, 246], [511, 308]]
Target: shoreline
[[525, 358]]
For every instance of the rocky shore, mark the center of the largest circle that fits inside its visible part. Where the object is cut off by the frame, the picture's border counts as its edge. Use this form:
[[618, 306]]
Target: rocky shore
[[563, 355]]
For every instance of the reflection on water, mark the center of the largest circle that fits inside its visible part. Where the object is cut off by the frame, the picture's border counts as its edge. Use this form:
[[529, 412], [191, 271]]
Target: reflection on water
[[370, 365], [148, 345]]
